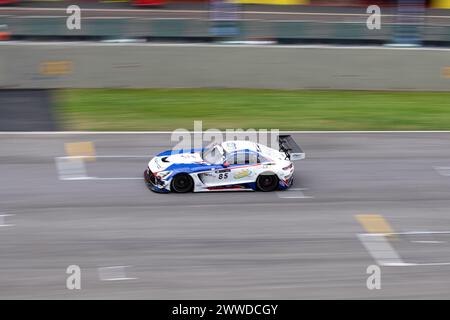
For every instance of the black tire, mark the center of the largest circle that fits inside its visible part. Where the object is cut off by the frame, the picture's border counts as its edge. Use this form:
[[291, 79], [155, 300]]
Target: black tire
[[267, 182], [182, 183]]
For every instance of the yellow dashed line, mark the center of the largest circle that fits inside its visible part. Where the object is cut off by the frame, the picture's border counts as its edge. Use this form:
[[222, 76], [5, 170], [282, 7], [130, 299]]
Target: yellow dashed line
[[56, 68], [374, 223], [80, 149], [446, 72]]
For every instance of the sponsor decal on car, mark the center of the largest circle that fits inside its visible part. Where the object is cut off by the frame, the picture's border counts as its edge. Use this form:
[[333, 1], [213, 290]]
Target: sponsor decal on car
[[243, 173]]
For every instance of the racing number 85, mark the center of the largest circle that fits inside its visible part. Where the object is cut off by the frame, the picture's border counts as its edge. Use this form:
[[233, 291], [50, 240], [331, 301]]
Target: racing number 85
[[223, 176]]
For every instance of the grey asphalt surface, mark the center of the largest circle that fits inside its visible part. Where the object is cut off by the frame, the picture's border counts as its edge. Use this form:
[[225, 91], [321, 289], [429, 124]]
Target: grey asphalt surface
[[224, 245]]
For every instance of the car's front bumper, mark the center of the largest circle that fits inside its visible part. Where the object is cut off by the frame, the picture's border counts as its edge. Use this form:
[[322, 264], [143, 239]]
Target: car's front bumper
[[153, 184]]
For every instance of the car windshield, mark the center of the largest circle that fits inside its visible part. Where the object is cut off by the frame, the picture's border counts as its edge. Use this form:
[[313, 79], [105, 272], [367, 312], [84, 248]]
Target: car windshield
[[213, 154]]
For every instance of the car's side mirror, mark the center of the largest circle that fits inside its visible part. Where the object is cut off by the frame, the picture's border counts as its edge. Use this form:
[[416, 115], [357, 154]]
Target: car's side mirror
[[226, 164]]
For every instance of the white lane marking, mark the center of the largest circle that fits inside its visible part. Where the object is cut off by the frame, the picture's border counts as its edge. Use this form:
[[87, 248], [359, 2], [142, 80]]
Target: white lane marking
[[118, 178], [2, 220], [75, 178], [416, 233], [73, 168], [363, 20], [208, 11], [380, 249], [115, 273], [429, 264], [443, 171], [70, 168], [145, 18], [104, 18], [417, 264], [293, 193], [170, 132], [297, 197], [384, 254], [428, 241], [98, 178], [37, 17], [112, 156]]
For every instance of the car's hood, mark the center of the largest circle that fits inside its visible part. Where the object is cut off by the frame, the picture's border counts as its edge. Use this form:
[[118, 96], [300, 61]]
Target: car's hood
[[164, 160]]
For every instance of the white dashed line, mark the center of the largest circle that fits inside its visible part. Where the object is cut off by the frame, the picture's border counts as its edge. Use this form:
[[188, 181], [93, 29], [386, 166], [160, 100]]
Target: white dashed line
[[103, 157], [118, 178], [384, 254], [71, 168], [428, 241], [380, 249], [2, 220], [115, 273], [293, 193], [443, 171]]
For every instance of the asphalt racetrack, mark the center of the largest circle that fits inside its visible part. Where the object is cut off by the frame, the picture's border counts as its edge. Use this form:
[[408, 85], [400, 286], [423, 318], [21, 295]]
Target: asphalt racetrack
[[309, 242]]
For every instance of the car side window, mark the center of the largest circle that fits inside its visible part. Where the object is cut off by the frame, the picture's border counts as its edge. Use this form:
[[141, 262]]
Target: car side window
[[233, 158], [261, 159], [236, 158], [243, 158]]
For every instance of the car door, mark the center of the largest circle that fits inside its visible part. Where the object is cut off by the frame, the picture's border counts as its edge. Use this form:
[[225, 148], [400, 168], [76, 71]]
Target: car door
[[218, 174], [222, 176], [244, 166]]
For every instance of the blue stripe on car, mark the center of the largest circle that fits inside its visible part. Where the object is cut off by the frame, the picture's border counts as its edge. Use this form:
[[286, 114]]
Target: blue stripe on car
[[179, 151]]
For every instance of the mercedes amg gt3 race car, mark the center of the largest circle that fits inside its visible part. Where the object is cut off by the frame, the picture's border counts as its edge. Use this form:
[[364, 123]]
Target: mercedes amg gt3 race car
[[231, 165]]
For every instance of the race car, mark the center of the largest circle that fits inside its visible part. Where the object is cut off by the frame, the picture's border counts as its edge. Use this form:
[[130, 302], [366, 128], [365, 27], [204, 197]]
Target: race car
[[226, 166]]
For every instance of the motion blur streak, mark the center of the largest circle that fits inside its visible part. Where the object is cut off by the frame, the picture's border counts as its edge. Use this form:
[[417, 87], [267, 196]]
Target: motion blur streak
[[228, 245]]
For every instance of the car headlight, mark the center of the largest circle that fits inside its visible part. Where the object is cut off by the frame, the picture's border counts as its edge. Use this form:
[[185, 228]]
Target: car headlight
[[163, 174]]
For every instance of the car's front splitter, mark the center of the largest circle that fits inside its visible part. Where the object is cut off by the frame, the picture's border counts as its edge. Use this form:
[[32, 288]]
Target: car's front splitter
[[152, 186]]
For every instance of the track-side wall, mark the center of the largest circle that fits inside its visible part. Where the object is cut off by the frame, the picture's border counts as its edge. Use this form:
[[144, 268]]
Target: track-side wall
[[279, 67]]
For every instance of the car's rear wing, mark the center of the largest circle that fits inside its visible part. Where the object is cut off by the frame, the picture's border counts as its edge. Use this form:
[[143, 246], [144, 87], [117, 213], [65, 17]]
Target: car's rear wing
[[290, 148]]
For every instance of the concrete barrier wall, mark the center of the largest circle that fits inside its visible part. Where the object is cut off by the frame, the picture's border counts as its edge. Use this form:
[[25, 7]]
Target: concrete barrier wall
[[282, 67]]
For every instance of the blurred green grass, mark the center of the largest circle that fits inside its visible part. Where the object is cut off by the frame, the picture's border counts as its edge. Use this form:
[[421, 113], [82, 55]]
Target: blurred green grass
[[168, 109]]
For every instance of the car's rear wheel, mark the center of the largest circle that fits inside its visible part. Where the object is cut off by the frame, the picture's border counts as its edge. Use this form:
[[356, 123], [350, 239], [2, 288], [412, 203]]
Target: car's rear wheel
[[267, 182], [182, 183]]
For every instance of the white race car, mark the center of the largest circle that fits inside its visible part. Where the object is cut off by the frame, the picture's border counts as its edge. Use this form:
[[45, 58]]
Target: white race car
[[231, 165]]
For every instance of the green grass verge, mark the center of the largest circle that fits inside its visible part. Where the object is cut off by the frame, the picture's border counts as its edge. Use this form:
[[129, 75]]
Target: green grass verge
[[167, 109]]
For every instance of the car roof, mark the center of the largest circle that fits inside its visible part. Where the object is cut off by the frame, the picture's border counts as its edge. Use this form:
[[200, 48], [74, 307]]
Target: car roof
[[239, 145]]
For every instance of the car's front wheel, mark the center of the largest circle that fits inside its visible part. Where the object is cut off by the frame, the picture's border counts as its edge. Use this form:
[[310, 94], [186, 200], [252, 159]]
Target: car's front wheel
[[182, 183], [267, 182]]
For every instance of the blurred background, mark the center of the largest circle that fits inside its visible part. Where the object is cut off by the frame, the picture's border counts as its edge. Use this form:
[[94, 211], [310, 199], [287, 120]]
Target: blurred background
[[281, 21]]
